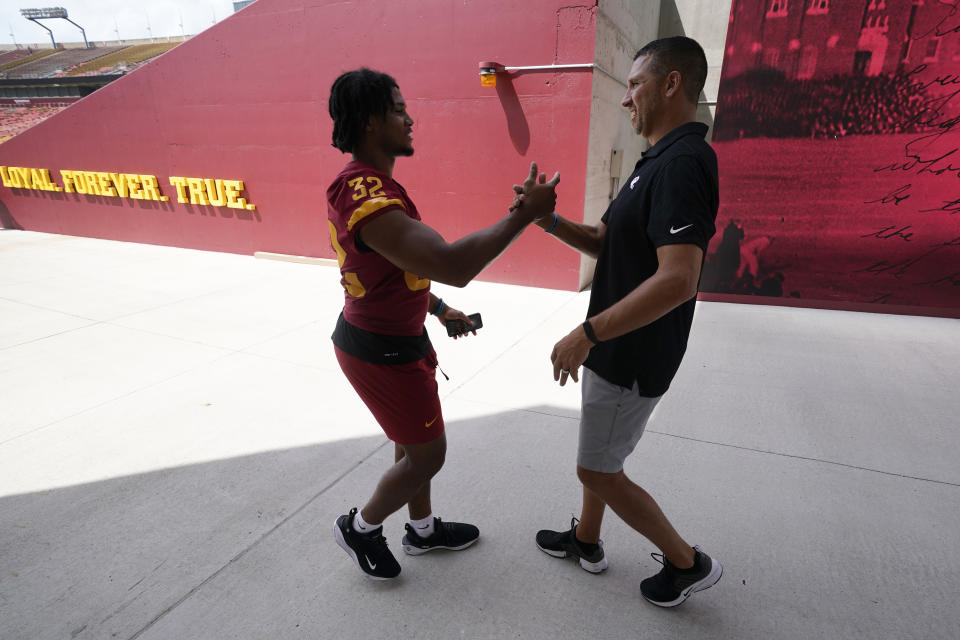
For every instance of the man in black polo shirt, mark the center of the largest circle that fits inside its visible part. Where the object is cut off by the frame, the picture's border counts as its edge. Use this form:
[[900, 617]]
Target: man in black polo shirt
[[649, 246]]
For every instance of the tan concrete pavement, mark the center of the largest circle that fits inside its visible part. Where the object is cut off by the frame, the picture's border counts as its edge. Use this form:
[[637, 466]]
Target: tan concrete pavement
[[176, 441]]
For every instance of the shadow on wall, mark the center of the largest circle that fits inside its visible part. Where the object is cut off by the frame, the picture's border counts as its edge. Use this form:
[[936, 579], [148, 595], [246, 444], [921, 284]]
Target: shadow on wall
[[672, 25], [7, 220], [513, 110]]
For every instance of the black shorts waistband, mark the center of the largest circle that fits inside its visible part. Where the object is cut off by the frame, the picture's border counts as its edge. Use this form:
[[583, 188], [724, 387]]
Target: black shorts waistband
[[380, 348]]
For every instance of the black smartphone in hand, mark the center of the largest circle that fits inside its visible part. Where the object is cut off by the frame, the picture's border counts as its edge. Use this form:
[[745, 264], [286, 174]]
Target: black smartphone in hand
[[456, 327]]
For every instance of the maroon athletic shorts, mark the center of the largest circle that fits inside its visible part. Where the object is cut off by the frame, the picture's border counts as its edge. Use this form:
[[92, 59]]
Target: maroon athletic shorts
[[402, 397]]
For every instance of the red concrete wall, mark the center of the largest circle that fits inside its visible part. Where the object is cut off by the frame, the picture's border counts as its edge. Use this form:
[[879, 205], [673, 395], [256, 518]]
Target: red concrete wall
[[246, 100]]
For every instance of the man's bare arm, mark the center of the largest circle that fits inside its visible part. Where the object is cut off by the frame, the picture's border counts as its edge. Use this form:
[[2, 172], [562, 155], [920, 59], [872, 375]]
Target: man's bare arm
[[582, 237], [579, 236], [415, 247], [674, 283]]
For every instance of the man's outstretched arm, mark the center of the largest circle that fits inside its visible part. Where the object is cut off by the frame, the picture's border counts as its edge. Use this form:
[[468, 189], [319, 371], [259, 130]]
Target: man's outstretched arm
[[415, 247], [582, 237]]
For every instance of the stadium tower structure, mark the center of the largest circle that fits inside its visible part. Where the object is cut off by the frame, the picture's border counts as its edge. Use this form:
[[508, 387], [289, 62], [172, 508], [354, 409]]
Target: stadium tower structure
[[52, 13]]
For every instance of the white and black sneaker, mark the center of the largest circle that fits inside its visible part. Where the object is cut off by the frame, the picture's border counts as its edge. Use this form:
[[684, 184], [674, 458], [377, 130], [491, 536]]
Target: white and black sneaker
[[672, 586], [368, 550], [446, 535], [561, 544]]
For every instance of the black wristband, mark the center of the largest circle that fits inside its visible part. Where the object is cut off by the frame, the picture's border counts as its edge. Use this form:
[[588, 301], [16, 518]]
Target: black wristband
[[588, 329]]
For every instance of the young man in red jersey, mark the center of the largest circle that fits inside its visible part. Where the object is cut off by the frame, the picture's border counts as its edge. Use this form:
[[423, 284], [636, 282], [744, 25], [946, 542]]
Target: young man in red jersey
[[388, 258]]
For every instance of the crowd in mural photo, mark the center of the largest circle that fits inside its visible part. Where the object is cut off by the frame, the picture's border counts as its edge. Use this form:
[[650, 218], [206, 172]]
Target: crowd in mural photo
[[766, 104], [825, 109]]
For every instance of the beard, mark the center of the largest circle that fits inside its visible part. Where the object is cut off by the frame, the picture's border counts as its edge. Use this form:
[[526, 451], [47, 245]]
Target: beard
[[402, 150]]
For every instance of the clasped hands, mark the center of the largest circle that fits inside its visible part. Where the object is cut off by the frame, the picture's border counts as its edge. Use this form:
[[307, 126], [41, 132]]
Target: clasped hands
[[536, 197]]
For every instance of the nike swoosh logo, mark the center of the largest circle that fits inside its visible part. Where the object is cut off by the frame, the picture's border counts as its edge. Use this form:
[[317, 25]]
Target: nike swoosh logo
[[430, 424], [675, 231], [370, 562], [634, 181]]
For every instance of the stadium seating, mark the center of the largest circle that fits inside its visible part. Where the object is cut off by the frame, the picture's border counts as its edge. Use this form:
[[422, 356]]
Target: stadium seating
[[15, 54], [35, 55], [13, 120], [58, 62], [124, 60], [104, 60]]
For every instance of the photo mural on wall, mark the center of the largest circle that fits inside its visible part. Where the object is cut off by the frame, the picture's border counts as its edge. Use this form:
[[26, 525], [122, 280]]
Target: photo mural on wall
[[838, 135]]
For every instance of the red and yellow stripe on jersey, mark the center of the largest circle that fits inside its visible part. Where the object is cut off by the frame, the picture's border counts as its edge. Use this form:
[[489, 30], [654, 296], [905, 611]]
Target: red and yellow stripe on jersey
[[378, 296]]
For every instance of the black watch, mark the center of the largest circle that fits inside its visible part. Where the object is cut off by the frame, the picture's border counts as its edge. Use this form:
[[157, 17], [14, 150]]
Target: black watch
[[588, 329]]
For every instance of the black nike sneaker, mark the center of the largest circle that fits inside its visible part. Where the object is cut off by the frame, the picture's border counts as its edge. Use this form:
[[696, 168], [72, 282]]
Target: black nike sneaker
[[446, 535], [672, 586], [561, 544], [368, 550]]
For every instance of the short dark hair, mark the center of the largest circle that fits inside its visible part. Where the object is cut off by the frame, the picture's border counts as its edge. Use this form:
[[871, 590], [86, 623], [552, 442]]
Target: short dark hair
[[354, 97], [682, 54]]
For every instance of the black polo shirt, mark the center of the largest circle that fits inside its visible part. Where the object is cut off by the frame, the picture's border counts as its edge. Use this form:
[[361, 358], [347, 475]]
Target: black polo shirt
[[671, 197]]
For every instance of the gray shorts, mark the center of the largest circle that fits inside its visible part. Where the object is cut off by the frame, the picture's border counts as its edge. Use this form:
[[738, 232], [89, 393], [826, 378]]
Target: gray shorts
[[612, 420]]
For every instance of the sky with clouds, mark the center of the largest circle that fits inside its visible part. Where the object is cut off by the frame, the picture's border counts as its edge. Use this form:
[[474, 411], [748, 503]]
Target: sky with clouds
[[103, 19]]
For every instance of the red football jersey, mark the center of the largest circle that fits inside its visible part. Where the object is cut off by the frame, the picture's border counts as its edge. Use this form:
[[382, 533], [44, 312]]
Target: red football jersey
[[378, 296]]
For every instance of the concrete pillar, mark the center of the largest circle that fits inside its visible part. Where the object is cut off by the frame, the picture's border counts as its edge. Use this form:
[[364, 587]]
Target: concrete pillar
[[623, 26]]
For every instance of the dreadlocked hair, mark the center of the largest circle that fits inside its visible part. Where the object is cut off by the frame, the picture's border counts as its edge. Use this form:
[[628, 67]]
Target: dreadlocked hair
[[354, 97]]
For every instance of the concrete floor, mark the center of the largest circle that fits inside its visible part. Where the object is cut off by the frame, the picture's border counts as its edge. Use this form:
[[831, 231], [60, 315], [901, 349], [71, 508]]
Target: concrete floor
[[176, 441]]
